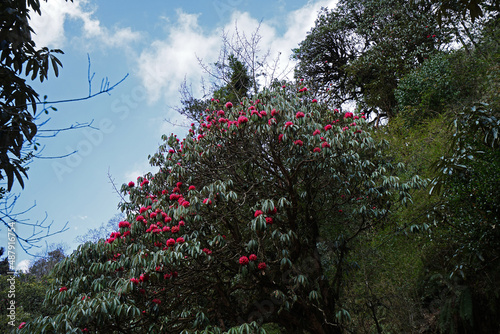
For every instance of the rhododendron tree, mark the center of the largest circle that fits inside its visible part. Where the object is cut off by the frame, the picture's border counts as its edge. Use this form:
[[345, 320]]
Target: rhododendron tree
[[241, 226]]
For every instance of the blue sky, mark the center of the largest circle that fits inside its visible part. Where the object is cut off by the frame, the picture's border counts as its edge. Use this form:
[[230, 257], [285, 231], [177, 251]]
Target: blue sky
[[157, 43]]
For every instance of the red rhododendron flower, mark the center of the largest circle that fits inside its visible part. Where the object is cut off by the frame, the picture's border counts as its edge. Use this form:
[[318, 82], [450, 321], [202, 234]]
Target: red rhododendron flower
[[185, 204], [243, 260], [300, 114], [287, 124], [131, 184], [175, 229], [263, 113], [192, 188], [298, 142], [242, 119], [316, 150], [207, 251], [262, 266], [269, 220], [303, 89], [258, 213], [115, 234], [274, 112], [325, 144], [170, 242], [316, 132], [314, 101], [22, 325], [207, 201], [328, 127], [124, 224], [348, 115], [156, 301], [229, 105], [252, 257], [180, 240], [63, 289], [280, 137], [134, 280]]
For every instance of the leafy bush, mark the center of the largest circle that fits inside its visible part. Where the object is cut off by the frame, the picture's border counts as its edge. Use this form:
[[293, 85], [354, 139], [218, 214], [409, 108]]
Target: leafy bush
[[250, 220]]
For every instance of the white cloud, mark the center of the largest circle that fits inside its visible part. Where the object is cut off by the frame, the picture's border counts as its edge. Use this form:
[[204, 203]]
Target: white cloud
[[164, 65], [167, 62], [50, 31], [23, 266]]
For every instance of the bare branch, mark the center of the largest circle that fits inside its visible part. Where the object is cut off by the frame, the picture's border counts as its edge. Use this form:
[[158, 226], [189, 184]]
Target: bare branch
[[40, 230], [112, 181], [105, 88]]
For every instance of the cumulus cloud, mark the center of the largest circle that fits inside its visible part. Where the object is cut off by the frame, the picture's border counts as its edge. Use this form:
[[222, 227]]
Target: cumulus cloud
[[167, 62], [50, 26]]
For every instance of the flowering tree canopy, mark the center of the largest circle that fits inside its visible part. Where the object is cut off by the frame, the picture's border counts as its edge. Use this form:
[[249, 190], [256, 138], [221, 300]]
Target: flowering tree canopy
[[250, 219]]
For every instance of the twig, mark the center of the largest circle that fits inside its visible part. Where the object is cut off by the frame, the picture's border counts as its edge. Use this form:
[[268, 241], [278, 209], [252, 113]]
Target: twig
[[114, 186], [107, 90]]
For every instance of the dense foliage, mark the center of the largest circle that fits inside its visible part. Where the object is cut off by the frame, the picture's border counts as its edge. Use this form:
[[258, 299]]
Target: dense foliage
[[30, 290], [358, 51]]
